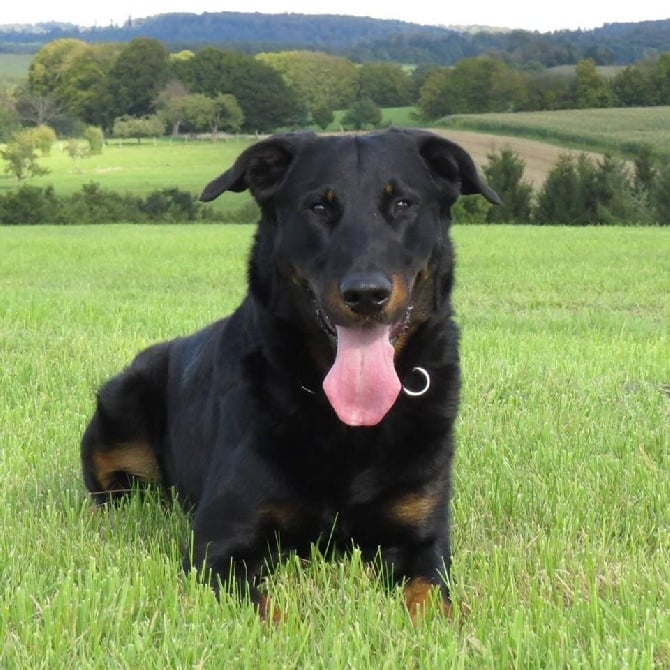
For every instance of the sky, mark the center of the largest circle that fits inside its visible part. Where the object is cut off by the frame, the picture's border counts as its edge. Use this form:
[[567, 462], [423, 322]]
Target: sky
[[570, 14]]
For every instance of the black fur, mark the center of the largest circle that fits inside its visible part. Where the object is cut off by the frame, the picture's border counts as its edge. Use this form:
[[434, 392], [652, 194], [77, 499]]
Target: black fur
[[233, 418]]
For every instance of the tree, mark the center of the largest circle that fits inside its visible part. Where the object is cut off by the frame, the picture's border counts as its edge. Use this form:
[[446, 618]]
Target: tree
[[645, 171], [504, 173], [95, 138], [21, 156], [473, 85], [661, 79], [76, 149], [47, 66], [591, 89], [579, 191], [82, 88], [557, 201], [43, 138], [318, 79], [227, 114], [138, 74], [323, 116], [37, 108], [138, 127], [434, 99], [265, 99], [631, 88], [9, 118], [362, 114], [171, 104], [387, 84], [198, 111], [660, 195]]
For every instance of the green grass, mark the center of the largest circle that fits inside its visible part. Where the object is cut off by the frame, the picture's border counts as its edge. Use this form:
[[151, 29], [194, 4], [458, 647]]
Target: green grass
[[562, 495], [13, 68], [129, 167], [137, 168], [620, 131]]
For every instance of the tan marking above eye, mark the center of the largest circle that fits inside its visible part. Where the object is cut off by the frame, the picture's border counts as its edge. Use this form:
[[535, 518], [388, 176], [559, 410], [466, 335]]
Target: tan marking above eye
[[389, 189]]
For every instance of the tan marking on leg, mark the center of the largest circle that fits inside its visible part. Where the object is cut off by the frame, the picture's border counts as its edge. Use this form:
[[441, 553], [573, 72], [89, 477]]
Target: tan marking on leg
[[281, 514], [135, 458], [421, 594], [413, 508], [268, 612]]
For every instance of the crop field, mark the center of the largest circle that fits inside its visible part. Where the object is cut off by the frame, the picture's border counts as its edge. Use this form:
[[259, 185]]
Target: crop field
[[619, 131], [561, 511], [538, 157]]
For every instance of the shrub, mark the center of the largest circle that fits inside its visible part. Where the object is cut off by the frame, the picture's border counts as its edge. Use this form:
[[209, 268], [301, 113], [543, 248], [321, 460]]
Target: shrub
[[362, 114], [660, 195], [43, 138], [504, 172], [579, 191], [170, 204], [94, 204], [21, 156], [29, 205], [470, 209], [95, 139]]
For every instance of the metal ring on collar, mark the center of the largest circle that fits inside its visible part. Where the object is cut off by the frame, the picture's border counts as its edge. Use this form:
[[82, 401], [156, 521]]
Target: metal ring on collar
[[426, 384]]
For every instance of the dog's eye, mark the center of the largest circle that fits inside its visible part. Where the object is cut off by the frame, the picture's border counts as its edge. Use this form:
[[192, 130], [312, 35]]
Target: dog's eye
[[319, 209], [401, 205]]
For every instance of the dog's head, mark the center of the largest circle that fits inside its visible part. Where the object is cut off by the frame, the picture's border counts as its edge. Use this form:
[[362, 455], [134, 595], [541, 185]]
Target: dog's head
[[353, 246]]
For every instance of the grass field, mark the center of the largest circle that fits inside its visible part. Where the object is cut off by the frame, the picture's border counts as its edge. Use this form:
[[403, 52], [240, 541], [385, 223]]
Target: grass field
[[619, 131], [13, 68], [562, 494], [128, 167], [137, 168], [538, 138]]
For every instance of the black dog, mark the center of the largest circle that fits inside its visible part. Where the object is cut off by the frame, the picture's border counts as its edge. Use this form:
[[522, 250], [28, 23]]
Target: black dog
[[322, 409]]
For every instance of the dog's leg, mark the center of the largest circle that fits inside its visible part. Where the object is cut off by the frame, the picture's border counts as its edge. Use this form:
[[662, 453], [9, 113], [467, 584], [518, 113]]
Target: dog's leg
[[422, 562], [421, 595], [231, 546], [118, 446]]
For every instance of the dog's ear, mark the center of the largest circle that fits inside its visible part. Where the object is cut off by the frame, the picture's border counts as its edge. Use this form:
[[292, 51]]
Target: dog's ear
[[451, 162], [261, 168]]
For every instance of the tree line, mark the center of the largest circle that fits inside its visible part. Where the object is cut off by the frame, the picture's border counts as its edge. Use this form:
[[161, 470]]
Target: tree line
[[140, 87], [486, 84], [578, 191], [365, 39]]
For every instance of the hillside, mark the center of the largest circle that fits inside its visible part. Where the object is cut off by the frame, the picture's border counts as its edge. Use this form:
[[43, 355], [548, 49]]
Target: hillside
[[362, 39]]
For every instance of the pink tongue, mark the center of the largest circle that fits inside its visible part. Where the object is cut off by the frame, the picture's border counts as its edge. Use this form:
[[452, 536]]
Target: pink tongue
[[362, 385]]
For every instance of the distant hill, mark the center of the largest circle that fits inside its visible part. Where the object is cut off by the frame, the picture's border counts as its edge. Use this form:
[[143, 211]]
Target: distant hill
[[363, 39]]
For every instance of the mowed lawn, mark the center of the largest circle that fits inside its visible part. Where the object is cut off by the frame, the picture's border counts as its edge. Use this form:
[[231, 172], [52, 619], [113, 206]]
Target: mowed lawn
[[561, 511]]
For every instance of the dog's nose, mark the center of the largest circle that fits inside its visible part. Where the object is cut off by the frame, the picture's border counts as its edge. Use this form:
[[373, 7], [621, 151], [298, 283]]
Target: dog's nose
[[366, 293]]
